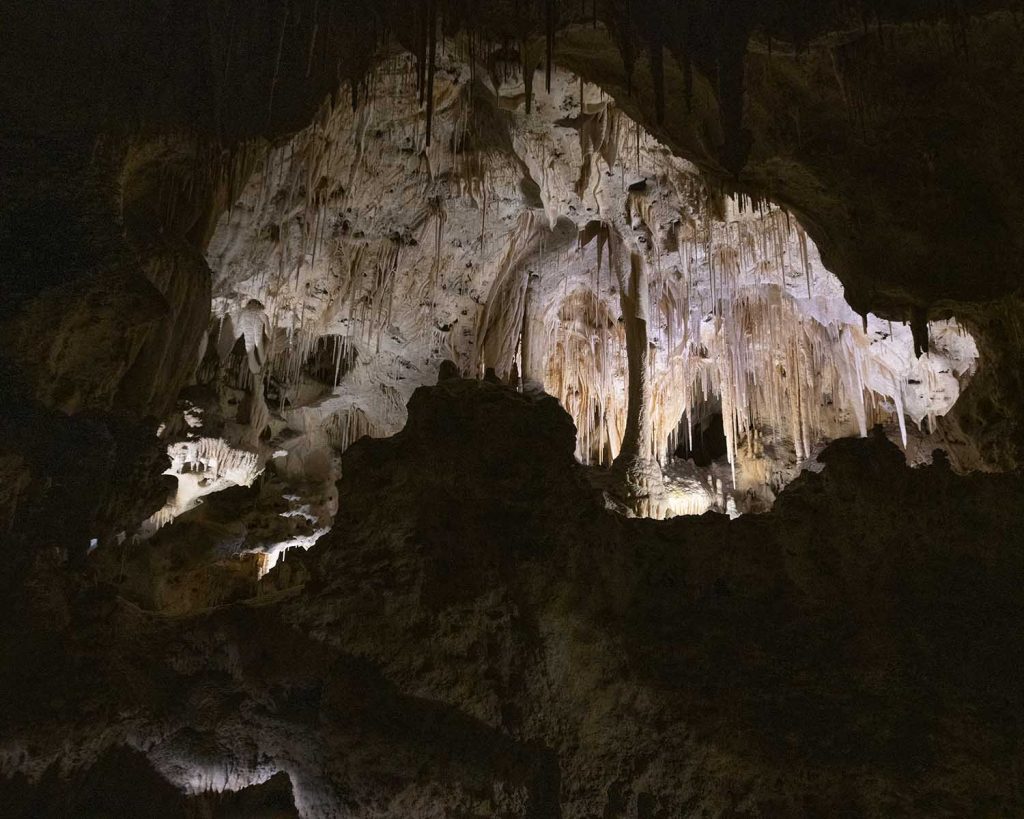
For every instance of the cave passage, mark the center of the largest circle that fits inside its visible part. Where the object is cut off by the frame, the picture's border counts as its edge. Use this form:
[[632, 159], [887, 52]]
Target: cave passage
[[533, 409], [564, 249], [704, 441]]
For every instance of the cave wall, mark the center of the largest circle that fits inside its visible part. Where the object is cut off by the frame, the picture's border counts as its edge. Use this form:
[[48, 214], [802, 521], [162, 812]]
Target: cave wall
[[893, 142], [538, 635], [122, 136], [822, 107]]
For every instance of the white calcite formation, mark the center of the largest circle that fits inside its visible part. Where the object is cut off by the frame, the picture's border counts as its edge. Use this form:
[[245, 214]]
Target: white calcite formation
[[203, 466], [566, 249]]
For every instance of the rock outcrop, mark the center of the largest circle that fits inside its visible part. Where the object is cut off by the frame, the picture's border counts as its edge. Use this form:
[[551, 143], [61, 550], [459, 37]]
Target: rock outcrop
[[478, 636]]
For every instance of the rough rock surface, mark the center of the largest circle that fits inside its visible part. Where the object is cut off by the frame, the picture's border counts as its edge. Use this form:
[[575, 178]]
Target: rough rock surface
[[478, 637]]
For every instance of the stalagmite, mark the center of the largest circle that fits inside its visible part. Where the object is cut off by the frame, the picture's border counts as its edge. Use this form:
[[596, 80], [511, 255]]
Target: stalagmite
[[636, 442]]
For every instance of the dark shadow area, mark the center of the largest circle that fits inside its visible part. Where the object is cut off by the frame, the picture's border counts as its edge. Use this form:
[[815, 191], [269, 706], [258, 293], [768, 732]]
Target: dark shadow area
[[709, 444], [123, 784]]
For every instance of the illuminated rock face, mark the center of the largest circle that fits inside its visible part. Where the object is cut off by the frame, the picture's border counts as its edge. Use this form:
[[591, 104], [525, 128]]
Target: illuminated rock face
[[546, 246]]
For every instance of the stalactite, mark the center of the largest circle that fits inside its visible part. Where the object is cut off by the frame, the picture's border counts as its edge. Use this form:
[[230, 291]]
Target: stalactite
[[431, 64], [653, 34], [528, 70], [422, 16], [919, 330], [549, 31], [277, 64]]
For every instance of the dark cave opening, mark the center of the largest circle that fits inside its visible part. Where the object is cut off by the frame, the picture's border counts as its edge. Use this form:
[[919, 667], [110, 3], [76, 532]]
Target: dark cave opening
[[708, 437]]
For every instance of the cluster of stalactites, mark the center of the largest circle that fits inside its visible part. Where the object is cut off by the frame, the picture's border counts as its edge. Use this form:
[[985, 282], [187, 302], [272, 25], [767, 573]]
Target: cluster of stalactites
[[773, 369], [584, 363], [770, 367], [315, 236], [315, 175], [726, 279], [738, 323], [202, 466]]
